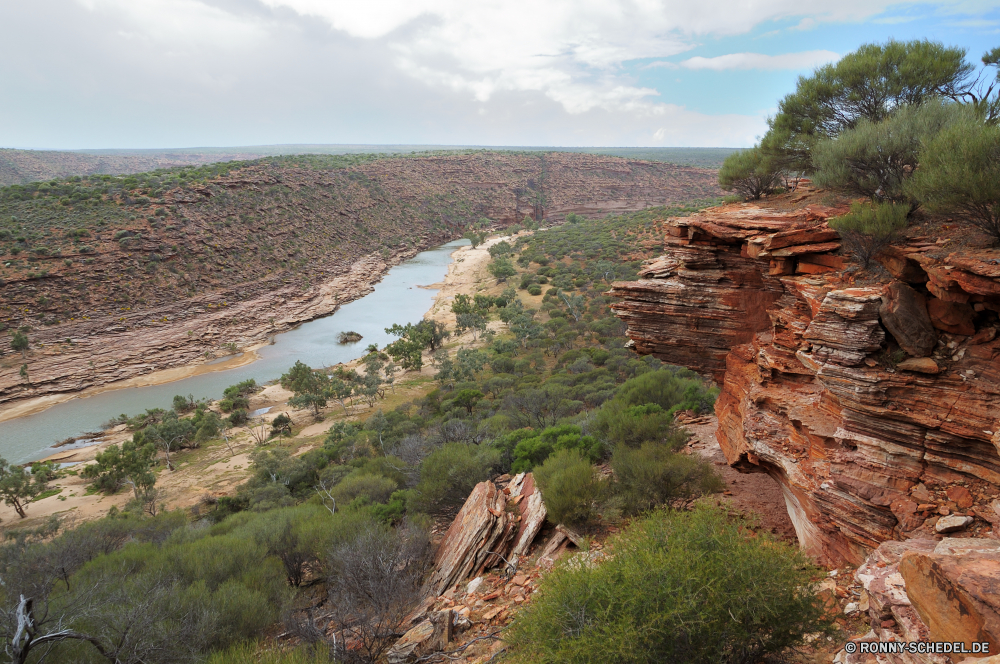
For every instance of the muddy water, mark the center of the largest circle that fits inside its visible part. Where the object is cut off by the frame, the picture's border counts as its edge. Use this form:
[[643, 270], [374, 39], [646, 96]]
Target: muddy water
[[398, 298]]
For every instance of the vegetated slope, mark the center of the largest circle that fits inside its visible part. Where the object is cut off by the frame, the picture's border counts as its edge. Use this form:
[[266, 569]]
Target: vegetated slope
[[24, 166], [100, 254]]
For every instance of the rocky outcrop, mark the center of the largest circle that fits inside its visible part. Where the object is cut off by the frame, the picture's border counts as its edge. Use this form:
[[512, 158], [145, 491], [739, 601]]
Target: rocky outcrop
[[495, 527], [817, 389], [930, 591]]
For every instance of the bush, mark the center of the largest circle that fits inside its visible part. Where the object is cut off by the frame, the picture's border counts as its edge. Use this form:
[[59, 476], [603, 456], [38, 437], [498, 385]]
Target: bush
[[960, 172], [692, 587], [534, 289], [570, 488], [374, 488], [533, 450], [869, 228], [671, 389], [448, 474], [654, 474], [750, 173], [620, 424], [874, 159], [238, 417], [183, 404]]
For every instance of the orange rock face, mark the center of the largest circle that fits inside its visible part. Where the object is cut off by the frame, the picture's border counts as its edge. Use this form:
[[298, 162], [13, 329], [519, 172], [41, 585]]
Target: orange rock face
[[814, 392]]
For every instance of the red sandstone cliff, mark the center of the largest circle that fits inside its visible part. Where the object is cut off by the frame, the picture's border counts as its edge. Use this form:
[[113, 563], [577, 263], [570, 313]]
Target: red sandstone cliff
[[866, 448]]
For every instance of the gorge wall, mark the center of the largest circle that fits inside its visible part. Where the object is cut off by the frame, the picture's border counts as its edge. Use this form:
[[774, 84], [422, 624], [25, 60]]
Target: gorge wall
[[117, 277], [875, 405]]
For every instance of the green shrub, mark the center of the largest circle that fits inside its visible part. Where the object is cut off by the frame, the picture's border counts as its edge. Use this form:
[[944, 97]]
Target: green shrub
[[874, 159], [238, 417], [448, 474], [183, 404], [960, 173], [534, 289], [375, 488], [654, 474], [692, 587], [868, 84], [570, 488], [670, 388], [620, 424], [750, 173], [869, 228], [533, 450]]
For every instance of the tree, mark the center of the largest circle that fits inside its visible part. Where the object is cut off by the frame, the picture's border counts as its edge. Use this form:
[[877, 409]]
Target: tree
[[960, 172], [374, 583], [413, 339], [502, 248], [501, 268], [870, 83], [338, 390], [467, 399], [314, 401], [475, 238], [171, 433], [301, 379], [19, 342], [875, 159], [19, 487], [130, 464], [750, 173], [868, 229], [24, 373]]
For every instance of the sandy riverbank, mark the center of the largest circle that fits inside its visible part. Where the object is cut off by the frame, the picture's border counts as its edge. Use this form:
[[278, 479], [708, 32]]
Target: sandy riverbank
[[162, 377], [215, 470]]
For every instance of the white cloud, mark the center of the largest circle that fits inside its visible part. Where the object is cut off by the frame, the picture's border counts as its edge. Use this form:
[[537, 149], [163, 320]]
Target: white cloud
[[93, 73], [802, 60], [572, 51]]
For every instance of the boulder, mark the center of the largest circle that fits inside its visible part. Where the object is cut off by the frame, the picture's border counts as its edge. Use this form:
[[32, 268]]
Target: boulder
[[904, 314], [956, 594], [476, 534], [494, 525], [960, 496], [905, 512], [431, 635], [952, 317], [949, 524], [474, 585], [923, 365]]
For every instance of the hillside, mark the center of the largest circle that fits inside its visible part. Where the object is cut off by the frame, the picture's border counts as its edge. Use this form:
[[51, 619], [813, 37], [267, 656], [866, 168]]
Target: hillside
[[25, 166], [123, 257]]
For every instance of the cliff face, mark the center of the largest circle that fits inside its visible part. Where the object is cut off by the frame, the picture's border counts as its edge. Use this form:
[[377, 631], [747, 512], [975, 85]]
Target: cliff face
[[866, 448]]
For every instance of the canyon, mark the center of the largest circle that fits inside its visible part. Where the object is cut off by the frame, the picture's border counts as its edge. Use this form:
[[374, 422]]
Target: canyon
[[128, 276], [870, 397]]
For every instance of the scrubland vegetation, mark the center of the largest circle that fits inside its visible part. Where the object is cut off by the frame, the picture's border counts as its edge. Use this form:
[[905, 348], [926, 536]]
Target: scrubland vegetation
[[553, 391], [898, 127]]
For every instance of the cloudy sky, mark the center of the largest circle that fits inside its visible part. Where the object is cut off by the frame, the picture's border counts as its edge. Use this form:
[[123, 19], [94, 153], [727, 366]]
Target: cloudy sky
[[182, 73]]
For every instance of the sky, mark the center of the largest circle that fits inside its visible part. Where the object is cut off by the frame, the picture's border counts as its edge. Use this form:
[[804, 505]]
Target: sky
[[78, 74]]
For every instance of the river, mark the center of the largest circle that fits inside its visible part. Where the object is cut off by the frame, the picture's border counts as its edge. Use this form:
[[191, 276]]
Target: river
[[396, 299]]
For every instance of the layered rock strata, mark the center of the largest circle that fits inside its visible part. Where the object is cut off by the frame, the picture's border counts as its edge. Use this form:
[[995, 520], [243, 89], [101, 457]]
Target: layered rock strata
[[495, 528], [930, 591], [868, 404]]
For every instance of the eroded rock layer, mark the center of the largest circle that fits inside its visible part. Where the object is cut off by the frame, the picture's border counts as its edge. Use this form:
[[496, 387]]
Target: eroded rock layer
[[863, 437]]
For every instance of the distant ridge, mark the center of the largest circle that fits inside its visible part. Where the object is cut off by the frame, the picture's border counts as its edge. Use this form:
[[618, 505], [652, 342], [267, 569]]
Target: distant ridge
[[23, 166]]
